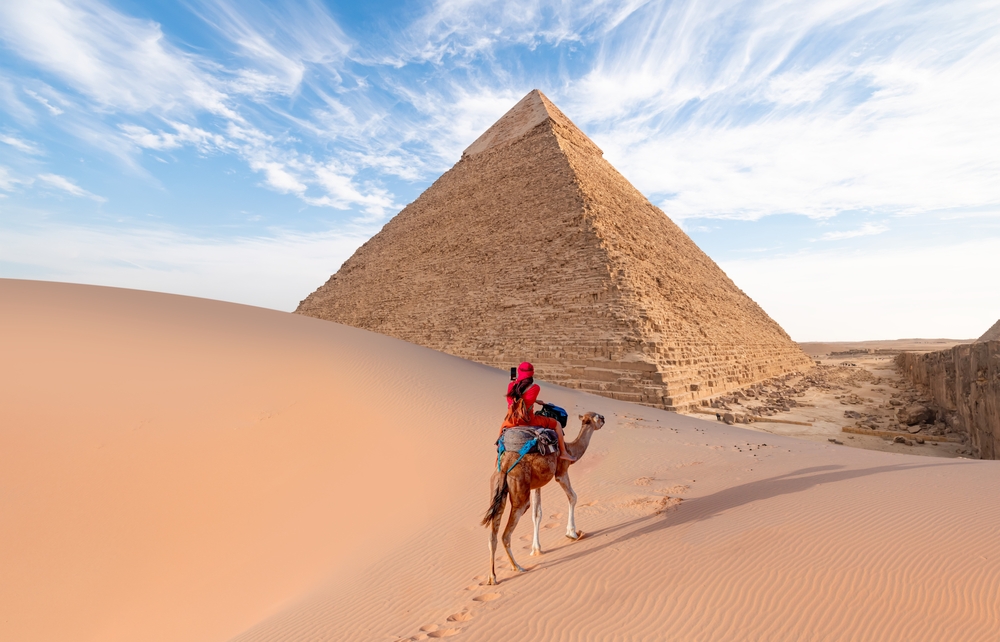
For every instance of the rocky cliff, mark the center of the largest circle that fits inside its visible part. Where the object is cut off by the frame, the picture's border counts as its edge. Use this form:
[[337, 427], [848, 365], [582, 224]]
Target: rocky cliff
[[964, 380]]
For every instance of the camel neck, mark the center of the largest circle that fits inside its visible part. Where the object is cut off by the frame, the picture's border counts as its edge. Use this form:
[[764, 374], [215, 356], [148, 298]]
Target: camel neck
[[578, 446]]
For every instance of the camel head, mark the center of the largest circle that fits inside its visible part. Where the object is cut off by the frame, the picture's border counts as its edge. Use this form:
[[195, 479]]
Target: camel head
[[592, 418]]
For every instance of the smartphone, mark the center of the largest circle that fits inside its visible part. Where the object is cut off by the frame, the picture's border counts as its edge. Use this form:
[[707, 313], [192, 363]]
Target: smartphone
[[513, 373]]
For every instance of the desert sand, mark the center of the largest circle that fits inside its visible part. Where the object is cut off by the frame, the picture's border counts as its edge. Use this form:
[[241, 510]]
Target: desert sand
[[182, 469]]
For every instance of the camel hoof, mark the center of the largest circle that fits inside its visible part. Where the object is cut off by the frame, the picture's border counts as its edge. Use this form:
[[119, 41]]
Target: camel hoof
[[535, 552], [491, 580], [575, 535], [517, 569]]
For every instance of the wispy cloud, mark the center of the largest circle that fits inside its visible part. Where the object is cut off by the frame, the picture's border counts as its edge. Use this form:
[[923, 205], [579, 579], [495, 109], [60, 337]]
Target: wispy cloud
[[868, 229], [741, 110], [117, 61], [44, 102], [7, 181], [735, 109], [280, 41], [128, 67], [473, 29], [181, 135], [66, 185], [20, 144]]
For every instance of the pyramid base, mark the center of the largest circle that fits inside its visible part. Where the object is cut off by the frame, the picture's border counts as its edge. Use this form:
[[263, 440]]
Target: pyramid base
[[675, 389]]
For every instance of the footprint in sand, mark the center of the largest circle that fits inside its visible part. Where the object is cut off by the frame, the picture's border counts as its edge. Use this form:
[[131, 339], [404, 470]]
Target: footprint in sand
[[464, 616], [486, 597], [643, 481], [434, 631], [550, 525]]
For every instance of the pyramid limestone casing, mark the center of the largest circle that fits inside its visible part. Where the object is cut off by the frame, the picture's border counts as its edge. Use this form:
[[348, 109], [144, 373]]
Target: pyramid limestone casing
[[533, 247]]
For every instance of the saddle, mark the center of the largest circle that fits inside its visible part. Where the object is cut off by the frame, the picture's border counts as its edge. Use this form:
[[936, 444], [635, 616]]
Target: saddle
[[528, 439]]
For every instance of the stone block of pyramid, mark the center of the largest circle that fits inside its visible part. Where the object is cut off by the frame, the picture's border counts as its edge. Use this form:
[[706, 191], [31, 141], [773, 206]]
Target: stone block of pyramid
[[533, 247]]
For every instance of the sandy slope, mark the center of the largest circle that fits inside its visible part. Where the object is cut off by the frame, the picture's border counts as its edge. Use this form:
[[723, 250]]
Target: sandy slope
[[182, 469]]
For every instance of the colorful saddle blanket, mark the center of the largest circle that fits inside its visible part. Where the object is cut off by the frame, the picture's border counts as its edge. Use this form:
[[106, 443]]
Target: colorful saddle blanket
[[528, 439]]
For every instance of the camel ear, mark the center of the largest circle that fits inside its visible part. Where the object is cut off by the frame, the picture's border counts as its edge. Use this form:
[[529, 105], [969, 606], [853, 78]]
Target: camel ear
[[581, 417]]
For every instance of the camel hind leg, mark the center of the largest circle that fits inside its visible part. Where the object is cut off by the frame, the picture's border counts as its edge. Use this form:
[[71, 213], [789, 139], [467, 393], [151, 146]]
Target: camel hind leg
[[493, 517], [494, 529], [519, 501]]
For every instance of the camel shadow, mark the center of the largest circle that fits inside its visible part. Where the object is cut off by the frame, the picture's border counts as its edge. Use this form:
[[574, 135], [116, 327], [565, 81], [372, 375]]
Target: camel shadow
[[702, 508]]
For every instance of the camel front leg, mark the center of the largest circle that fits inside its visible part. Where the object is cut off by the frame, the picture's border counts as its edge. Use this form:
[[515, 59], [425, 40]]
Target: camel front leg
[[571, 531], [536, 518]]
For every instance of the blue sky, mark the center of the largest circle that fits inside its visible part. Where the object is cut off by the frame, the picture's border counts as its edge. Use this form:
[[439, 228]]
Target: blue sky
[[839, 159]]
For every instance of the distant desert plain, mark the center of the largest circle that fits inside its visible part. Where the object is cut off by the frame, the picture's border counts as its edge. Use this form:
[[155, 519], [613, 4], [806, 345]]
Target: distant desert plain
[[174, 468]]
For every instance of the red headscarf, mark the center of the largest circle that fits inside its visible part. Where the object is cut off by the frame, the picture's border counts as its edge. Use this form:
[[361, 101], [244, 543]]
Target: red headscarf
[[525, 370]]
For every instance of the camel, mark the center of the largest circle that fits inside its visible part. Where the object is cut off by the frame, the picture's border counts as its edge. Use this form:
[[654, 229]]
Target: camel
[[523, 483]]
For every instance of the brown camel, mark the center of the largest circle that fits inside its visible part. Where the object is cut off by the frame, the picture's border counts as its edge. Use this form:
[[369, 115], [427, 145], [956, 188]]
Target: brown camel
[[524, 484]]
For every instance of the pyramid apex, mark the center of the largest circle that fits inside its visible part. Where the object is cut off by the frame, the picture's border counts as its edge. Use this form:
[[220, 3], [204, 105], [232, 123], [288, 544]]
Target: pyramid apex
[[529, 112], [993, 334]]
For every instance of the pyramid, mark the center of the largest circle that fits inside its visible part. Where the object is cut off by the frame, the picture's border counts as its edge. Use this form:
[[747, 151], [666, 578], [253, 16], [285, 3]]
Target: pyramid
[[993, 334], [533, 247]]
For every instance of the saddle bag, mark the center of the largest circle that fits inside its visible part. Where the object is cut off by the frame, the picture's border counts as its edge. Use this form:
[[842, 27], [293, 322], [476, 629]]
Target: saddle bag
[[554, 412]]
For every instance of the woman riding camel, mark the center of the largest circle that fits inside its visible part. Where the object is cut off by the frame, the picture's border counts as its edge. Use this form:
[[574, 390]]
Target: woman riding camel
[[522, 395]]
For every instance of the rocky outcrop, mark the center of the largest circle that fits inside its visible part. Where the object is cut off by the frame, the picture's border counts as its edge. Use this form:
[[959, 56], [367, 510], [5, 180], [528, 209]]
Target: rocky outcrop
[[965, 383], [915, 414]]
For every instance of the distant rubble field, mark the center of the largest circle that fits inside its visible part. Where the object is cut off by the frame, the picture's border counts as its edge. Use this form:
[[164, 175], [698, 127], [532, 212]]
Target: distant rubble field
[[859, 401], [888, 346]]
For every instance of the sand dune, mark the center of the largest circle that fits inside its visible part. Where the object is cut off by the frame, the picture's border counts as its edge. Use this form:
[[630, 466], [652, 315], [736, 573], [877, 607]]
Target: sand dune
[[183, 469]]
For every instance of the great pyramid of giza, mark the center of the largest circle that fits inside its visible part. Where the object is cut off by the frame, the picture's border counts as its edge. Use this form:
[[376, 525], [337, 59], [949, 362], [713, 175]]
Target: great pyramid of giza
[[993, 334], [533, 247]]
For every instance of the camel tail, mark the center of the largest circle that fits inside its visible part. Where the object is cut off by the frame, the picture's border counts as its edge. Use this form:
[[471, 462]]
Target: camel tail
[[499, 498]]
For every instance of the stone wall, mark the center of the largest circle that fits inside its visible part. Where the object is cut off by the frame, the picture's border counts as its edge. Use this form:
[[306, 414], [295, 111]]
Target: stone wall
[[964, 380]]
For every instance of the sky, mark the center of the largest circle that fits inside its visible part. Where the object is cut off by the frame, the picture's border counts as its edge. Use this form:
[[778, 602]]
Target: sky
[[839, 159]]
